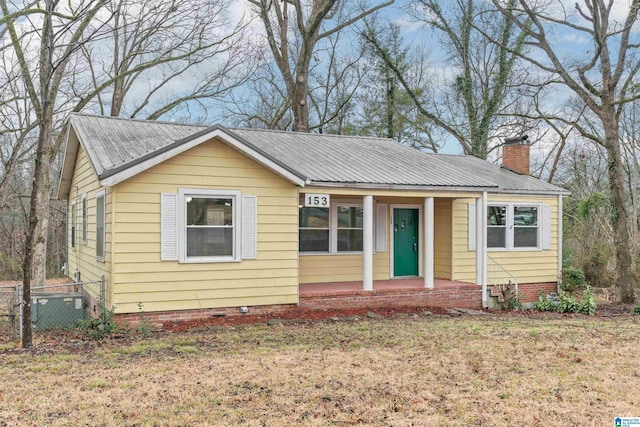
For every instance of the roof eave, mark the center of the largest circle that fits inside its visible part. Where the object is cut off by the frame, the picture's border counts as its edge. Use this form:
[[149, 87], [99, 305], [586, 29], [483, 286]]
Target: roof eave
[[117, 175], [68, 163], [560, 192], [405, 187]]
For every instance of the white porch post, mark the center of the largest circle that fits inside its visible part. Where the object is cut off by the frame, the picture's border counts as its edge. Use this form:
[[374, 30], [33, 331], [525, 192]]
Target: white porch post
[[559, 239], [367, 242], [482, 246], [429, 237]]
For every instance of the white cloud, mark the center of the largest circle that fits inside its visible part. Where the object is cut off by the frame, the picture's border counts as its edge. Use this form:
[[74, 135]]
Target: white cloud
[[575, 39], [407, 24]]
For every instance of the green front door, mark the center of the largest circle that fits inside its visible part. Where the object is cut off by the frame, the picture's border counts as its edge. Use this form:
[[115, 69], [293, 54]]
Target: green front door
[[405, 242]]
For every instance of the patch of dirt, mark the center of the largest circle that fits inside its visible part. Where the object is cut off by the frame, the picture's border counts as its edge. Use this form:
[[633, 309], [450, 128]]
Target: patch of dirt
[[614, 309], [300, 316]]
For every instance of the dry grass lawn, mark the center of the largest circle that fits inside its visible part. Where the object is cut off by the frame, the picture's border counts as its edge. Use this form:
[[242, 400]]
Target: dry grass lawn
[[434, 371]]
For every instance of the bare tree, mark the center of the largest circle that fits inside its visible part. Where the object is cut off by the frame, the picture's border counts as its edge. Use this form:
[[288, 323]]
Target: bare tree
[[161, 55], [464, 103], [603, 78], [263, 104], [60, 29], [629, 129], [293, 41], [333, 82]]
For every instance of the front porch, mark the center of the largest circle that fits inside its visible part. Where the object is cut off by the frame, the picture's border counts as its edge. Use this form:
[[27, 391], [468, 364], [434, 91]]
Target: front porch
[[389, 293], [362, 246]]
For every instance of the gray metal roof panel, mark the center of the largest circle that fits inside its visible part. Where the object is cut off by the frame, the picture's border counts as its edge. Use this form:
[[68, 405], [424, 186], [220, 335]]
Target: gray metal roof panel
[[366, 160], [113, 143], [506, 180]]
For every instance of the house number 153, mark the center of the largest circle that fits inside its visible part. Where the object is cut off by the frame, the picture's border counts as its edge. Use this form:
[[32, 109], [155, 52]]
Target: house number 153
[[316, 200]]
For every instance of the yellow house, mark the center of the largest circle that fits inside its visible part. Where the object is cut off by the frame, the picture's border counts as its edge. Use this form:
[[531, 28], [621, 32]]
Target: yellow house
[[190, 221]]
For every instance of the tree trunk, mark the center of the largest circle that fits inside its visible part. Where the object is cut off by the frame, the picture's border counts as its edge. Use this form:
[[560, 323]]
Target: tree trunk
[[299, 105], [43, 142], [43, 210], [620, 215], [391, 100]]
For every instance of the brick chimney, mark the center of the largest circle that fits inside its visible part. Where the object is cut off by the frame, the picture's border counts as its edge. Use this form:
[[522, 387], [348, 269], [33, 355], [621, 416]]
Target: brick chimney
[[515, 154]]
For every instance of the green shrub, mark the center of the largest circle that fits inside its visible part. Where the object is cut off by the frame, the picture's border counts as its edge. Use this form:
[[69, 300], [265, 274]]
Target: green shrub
[[100, 327], [567, 304], [573, 280], [145, 328], [588, 302], [544, 303], [636, 309], [514, 303]]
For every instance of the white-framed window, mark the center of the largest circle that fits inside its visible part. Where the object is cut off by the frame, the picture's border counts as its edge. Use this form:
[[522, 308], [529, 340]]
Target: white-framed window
[[526, 226], [314, 229], [74, 224], [348, 230], [336, 229], [514, 226], [84, 218], [497, 226], [209, 225], [100, 224]]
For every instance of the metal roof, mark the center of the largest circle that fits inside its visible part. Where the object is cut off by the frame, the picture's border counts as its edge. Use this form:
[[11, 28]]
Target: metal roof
[[111, 142], [115, 146], [507, 181], [340, 159]]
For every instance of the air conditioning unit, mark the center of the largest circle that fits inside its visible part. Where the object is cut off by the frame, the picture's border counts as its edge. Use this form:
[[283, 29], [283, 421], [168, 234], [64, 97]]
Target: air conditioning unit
[[53, 311]]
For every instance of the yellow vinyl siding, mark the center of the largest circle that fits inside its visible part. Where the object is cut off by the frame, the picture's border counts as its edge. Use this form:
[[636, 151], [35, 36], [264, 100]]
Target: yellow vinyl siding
[[140, 276], [341, 267], [528, 266], [83, 256], [442, 244]]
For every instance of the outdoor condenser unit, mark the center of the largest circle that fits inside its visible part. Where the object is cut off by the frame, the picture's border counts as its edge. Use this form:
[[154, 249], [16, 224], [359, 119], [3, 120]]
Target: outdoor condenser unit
[[56, 310]]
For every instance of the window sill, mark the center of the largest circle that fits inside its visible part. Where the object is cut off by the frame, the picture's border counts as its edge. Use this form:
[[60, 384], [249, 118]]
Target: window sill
[[208, 260], [328, 253], [532, 249]]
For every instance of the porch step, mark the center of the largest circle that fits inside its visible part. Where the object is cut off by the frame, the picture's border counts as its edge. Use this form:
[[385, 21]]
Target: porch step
[[493, 292]]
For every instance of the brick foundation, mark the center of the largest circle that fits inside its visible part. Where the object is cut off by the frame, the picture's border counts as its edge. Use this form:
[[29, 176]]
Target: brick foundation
[[462, 297], [133, 319], [529, 292]]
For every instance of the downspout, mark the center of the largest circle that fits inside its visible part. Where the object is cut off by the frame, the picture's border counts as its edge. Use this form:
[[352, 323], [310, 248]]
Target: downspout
[[483, 247], [560, 218], [65, 264], [297, 242]]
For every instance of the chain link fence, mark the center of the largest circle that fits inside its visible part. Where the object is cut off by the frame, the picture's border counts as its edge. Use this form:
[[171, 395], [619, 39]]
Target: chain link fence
[[9, 307], [52, 306]]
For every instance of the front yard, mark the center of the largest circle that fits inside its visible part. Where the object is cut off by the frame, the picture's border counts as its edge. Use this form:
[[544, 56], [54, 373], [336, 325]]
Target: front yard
[[494, 370]]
